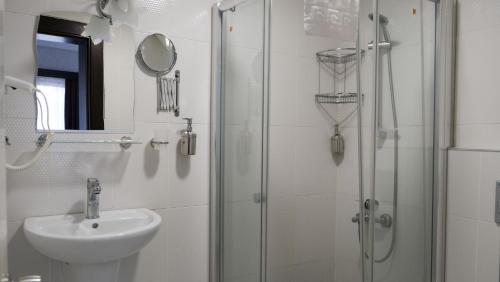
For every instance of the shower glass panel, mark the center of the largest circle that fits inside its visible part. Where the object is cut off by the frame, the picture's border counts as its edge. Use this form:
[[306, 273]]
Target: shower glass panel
[[242, 135], [400, 185]]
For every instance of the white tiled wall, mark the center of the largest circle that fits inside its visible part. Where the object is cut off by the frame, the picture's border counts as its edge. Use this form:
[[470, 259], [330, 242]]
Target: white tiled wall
[[174, 186], [477, 118], [473, 238], [303, 175]]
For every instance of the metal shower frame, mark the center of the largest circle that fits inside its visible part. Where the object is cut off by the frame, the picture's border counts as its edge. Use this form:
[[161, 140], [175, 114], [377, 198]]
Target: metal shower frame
[[217, 142]]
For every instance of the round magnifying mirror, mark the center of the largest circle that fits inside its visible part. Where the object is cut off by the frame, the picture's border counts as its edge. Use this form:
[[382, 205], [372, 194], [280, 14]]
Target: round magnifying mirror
[[156, 54]]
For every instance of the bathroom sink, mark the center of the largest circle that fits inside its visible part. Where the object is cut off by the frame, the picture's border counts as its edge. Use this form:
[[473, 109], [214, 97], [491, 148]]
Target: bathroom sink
[[76, 240]]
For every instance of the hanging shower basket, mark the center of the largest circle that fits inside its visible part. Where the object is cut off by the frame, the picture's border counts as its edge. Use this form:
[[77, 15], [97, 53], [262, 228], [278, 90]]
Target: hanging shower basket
[[337, 61], [340, 98], [338, 56]]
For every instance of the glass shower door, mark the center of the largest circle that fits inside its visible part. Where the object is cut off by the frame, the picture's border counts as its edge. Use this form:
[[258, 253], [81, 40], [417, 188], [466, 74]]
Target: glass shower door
[[397, 196], [242, 100]]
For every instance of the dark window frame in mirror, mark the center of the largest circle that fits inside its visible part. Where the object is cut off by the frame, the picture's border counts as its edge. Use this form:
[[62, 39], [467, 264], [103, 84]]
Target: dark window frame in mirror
[[72, 119], [93, 55]]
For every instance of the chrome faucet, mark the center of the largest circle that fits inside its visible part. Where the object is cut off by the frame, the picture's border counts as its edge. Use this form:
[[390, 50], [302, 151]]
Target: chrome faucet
[[93, 191]]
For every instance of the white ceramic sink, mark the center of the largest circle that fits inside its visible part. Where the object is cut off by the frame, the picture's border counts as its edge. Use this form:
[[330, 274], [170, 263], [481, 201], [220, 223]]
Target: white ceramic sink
[[76, 240]]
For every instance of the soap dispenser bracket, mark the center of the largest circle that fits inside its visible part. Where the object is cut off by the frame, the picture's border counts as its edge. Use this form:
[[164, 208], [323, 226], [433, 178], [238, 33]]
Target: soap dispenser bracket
[[188, 139]]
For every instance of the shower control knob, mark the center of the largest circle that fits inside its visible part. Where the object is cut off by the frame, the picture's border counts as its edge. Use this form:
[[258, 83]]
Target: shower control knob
[[355, 219], [385, 220], [368, 203]]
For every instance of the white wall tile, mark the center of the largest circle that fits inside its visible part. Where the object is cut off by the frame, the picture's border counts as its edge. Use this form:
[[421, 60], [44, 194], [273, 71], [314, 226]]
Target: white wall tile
[[478, 136], [315, 170], [187, 19], [87, 6], [26, 6], [318, 271], [283, 83], [315, 228], [285, 274], [28, 191], [461, 249], [307, 112], [476, 87], [187, 244], [477, 117], [474, 15], [463, 184], [281, 156], [488, 252], [144, 179], [281, 232], [473, 244], [19, 44], [286, 22], [490, 173]]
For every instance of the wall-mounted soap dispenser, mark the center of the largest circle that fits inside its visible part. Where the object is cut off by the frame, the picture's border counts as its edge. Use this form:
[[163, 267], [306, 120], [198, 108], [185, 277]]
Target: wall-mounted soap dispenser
[[188, 139]]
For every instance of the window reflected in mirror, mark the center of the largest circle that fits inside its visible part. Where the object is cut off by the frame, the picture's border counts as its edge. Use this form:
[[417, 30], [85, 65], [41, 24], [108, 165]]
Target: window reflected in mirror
[[70, 74]]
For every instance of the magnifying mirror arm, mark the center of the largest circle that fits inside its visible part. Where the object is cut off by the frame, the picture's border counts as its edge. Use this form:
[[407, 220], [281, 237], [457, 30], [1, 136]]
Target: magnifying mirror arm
[[177, 110]]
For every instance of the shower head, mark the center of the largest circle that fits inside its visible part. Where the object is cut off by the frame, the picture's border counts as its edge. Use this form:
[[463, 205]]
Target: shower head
[[382, 19]]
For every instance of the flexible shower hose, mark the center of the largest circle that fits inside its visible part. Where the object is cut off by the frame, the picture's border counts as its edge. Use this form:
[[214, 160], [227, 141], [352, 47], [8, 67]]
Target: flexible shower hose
[[396, 151], [396, 158], [47, 143]]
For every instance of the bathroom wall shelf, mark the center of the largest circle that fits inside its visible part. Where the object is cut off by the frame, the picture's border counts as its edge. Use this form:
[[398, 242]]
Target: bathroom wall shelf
[[125, 142], [340, 98]]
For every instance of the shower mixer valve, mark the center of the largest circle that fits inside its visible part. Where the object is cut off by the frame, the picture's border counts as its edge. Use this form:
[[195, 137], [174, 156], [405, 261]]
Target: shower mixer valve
[[385, 220]]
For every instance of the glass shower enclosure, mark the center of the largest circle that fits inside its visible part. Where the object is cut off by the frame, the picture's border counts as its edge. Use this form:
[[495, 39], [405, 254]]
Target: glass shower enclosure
[[324, 141]]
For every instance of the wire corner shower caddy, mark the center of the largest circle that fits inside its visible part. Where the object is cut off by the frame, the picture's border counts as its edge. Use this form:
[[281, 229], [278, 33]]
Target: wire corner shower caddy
[[331, 59], [338, 62]]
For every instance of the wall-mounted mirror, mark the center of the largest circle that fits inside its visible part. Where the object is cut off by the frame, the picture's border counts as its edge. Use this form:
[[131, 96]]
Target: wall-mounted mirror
[[88, 87], [156, 55]]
